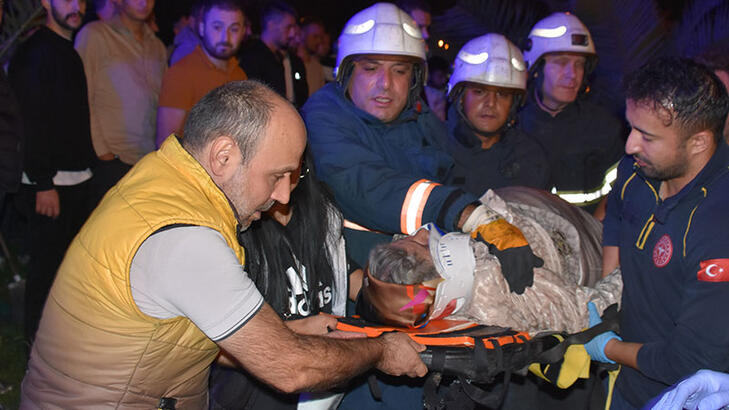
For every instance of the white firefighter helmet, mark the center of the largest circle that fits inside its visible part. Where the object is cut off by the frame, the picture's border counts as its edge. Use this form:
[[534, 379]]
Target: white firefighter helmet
[[490, 59], [559, 32], [380, 29]]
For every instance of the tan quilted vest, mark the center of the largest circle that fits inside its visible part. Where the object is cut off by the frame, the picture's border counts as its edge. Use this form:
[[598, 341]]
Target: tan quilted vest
[[95, 349]]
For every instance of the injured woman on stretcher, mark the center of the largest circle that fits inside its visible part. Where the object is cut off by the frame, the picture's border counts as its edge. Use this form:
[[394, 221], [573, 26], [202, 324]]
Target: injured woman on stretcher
[[431, 275]]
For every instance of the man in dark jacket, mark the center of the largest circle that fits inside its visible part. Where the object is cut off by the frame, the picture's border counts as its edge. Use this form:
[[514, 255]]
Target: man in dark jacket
[[269, 60], [379, 148], [582, 140], [486, 93], [48, 77]]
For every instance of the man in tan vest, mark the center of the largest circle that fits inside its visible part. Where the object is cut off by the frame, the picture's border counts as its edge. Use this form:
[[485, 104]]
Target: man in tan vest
[[152, 290]]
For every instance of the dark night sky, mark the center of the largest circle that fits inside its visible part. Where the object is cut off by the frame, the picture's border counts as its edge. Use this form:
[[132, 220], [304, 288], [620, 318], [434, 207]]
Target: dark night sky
[[336, 12]]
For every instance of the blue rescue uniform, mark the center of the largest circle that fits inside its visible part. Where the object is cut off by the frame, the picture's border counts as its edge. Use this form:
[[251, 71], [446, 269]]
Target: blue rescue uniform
[[674, 256], [385, 177], [516, 159], [582, 142]]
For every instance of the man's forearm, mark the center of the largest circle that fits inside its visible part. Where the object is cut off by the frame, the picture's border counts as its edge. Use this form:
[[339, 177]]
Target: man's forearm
[[625, 353], [464, 215], [330, 362], [610, 259], [291, 362]]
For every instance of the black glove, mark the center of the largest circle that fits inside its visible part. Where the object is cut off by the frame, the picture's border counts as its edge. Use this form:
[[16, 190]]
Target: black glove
[[517, 264]]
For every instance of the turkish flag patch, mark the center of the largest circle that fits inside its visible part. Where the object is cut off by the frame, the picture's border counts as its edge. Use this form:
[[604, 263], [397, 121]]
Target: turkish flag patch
[[714, 270]]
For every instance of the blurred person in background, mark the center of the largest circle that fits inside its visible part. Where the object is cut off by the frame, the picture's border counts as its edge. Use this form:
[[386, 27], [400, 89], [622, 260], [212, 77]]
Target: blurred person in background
[[311, 37], [187, 37], [270, 59], [124, 63], [48, 77], [436, 89], [210, 65]]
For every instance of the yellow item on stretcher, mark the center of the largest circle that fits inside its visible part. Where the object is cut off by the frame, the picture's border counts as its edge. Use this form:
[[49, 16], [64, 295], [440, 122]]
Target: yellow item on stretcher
[[574, 365]]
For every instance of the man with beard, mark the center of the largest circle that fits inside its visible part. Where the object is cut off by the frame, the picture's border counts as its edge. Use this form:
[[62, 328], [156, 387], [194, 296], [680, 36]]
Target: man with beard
[[48, 77], [124, 63], [152, 289], [666, 227], [210, 65], [268, 59]]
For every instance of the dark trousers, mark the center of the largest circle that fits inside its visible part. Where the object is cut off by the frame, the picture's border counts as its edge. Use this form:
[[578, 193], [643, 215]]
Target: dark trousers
[[106, 175], [48, 239]]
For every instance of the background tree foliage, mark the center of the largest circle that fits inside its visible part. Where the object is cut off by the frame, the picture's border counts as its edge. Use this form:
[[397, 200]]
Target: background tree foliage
[[18, 17]]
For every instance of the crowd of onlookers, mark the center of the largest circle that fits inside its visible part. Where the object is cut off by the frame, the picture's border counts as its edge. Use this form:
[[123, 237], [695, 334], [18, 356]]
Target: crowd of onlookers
[[398, 138], [93, 99]]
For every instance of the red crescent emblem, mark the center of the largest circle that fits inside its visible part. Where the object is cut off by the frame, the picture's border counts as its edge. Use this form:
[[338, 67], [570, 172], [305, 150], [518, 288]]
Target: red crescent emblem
[[663, 251]]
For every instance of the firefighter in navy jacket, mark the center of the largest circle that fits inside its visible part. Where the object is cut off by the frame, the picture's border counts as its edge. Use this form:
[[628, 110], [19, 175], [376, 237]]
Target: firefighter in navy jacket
[[667, 229], [379, 147], [380, 150]]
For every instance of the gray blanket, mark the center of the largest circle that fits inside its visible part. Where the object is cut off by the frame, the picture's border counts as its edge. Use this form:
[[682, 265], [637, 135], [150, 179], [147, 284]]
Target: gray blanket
[[569, 241]]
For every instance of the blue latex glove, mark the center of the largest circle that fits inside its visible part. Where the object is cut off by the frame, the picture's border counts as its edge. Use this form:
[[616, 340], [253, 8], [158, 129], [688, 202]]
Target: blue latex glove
[[705, 390], [596, 347]]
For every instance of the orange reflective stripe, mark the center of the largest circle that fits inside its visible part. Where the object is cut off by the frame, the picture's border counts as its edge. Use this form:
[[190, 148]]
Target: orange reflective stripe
[[466, 340], [433, 327], [411, 215], [503, 340], [368, 330], [443, 341]]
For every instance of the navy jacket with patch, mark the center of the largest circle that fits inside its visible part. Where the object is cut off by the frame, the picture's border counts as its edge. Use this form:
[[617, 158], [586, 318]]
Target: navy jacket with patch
[[680, 320], [372, 166]]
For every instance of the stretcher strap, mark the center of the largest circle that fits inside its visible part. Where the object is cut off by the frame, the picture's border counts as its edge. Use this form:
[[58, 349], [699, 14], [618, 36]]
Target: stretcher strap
[[612, 377], [491, 399]]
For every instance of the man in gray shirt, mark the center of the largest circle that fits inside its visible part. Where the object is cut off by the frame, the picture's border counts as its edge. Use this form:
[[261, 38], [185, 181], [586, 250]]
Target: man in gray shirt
[[152, 289]]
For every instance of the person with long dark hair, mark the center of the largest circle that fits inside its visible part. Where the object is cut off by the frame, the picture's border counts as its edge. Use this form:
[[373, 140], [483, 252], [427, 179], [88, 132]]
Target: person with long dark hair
[[295, 256]]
